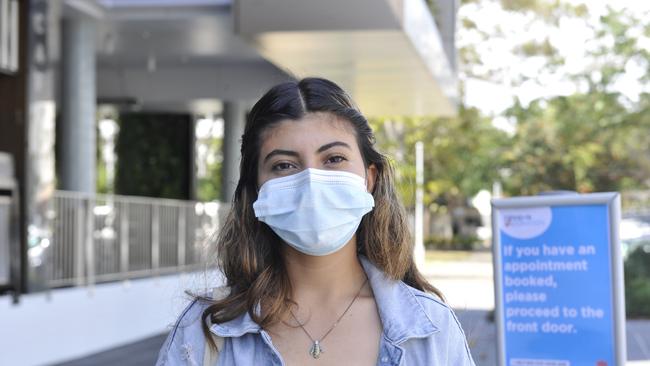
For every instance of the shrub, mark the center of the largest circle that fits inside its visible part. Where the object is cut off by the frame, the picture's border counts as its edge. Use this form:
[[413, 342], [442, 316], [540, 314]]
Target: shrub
[[458, 242], [437, 242], [466, 242], [637, 282]]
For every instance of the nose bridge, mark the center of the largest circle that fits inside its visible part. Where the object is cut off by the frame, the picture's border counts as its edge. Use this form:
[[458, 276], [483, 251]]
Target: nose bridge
[[311, 161]]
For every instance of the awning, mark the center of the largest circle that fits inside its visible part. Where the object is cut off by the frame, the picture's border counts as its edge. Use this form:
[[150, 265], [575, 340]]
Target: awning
[[387, 53]]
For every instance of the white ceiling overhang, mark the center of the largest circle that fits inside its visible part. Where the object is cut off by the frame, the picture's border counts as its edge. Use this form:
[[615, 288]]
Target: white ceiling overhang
[[387, 53]]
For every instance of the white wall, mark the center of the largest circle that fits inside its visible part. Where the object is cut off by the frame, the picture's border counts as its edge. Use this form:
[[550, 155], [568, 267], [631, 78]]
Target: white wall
[[75, 322]]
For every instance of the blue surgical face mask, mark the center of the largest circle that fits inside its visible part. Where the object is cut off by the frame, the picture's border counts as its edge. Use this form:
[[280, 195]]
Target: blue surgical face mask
[[315, 211]]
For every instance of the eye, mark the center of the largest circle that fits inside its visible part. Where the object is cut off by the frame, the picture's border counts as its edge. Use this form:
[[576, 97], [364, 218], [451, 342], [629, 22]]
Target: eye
[[282, 166], [335, 159]]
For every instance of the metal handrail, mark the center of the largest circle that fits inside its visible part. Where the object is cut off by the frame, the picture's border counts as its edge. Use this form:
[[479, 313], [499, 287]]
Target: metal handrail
[[99, 238]]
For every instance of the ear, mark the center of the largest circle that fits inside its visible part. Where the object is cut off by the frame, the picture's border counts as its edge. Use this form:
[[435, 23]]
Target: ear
[[371, 174]]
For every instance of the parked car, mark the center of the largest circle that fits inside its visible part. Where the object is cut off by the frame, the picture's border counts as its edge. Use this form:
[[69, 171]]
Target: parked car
[[634, 232]]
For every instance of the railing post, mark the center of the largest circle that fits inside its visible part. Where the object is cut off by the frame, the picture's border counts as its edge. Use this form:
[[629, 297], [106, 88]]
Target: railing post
[[182, 235], [155, 237], [124, 237], [79, 215], [89, 241]]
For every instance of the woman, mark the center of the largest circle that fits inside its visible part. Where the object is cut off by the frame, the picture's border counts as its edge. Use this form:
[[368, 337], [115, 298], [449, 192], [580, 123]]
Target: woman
[[316, 251]]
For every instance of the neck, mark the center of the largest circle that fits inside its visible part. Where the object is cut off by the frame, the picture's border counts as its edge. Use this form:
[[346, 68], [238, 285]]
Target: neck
[[330, 278]]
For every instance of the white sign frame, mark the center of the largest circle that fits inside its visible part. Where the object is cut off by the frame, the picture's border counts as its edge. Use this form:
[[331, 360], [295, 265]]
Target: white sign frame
[[613, 202]]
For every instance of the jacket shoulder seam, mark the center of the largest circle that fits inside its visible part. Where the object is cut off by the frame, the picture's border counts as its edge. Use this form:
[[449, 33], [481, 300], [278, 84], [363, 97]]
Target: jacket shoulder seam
[[416, 294], [462, 333], [428, 296], [177, 324], [451, 313]]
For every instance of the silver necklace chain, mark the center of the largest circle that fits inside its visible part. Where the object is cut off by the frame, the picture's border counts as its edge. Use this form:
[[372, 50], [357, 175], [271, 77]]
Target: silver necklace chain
[[316, 349]]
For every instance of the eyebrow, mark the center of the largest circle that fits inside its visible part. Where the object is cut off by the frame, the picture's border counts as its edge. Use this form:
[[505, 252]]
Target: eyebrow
[[295, 154], [280, 152], [331, 145]]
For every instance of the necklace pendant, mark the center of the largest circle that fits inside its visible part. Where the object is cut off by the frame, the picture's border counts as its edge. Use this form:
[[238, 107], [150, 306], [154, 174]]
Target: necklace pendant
[[315, 350]]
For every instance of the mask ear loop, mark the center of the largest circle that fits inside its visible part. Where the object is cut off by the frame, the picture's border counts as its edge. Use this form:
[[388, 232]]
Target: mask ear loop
[[365, 179]]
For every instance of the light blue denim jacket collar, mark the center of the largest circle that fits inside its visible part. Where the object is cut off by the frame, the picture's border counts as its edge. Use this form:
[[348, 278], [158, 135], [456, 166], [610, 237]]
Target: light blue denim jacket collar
[[401, 312]]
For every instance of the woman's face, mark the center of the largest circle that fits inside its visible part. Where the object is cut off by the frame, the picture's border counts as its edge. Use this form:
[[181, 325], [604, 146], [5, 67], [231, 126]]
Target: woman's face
[[319, 140]]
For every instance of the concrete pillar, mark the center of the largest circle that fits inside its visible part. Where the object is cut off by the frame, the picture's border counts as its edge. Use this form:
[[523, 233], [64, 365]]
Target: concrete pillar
[[192, 178], [78, 108], [446, 14], [234, 116]]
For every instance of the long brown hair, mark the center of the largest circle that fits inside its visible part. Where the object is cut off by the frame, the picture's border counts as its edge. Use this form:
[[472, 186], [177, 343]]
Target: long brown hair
[[248, 251]]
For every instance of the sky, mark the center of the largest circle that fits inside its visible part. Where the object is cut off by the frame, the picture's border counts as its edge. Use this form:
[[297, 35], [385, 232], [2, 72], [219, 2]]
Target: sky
[[573, 38]]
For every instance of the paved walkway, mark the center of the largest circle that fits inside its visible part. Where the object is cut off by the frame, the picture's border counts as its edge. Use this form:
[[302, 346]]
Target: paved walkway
[[467, 285], [480, 332], [466, 281], [144, 352], [481, 335]]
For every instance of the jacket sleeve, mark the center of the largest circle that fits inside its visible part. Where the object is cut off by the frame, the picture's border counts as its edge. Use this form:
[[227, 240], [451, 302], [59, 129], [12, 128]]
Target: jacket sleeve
[[185, 343], [458, 349], [447, 346]]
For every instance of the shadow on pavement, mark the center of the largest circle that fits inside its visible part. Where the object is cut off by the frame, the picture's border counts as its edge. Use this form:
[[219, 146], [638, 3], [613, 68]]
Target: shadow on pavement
[[144, 352]]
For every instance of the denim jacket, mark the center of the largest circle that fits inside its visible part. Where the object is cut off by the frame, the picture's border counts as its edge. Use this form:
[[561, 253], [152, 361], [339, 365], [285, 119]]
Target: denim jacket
[[418, 329]]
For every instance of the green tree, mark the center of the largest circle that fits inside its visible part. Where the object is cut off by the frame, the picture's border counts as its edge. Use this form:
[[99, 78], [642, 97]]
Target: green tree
[[462, 154], [583, 142], [592, 140], [209, 186]]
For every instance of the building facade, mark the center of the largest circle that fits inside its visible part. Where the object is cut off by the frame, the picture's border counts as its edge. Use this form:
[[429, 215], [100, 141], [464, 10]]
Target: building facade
[[64, 62]]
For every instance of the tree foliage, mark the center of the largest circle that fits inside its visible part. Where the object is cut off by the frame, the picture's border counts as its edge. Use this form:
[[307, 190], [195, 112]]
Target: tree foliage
[[461, 154], [582, 142], [209, 186], [153, 152], [596, 140], [593, 139]]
